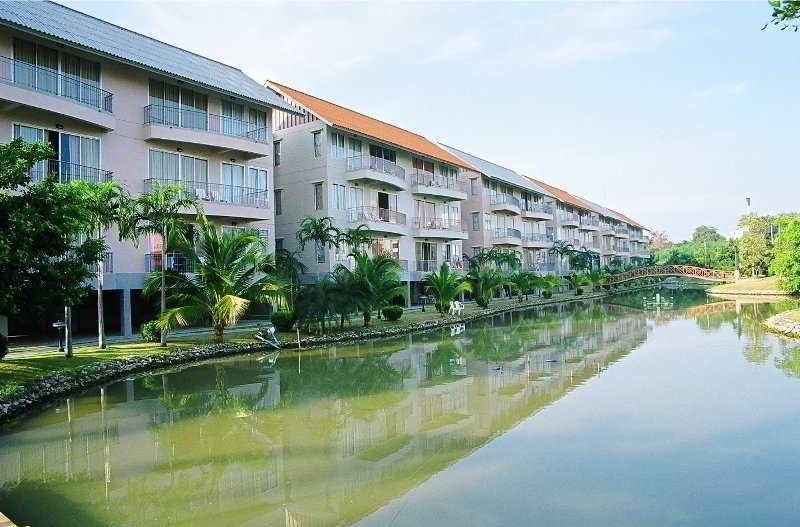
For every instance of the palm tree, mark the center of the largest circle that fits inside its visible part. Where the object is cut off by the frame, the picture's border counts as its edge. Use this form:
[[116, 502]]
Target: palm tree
[[522, 282], [158, 212], [562, 249], [484, 281], [597, 277], [548, 283], [321, 231], [375, 282], [105, 203], [507, 260], [230, 271], [356, 238], [576, 281], [445, 286], [291, 268]]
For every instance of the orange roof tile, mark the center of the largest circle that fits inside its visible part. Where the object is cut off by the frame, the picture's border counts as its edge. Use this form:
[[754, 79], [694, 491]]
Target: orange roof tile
[[342, 117]]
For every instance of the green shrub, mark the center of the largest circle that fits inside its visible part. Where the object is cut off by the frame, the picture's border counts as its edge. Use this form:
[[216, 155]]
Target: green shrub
[[547, 294], [579, 291], [283, 320], [392, 313], [150, 332]]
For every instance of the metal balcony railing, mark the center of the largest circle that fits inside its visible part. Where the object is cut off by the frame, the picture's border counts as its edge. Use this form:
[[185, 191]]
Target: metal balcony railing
[[448, 224], [424, 178], [368, 213], [174, 261], [540, 267], [66, 172], [537, 237], [507, 232], [569, 217], [52, 82], [534, 206], [621, 229], [377, 164], [216, 192], [208, 122], [590, 220], [427, 266], [504, 199]]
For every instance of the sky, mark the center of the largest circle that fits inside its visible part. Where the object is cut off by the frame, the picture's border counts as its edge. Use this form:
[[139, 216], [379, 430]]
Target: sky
[[672, 113]]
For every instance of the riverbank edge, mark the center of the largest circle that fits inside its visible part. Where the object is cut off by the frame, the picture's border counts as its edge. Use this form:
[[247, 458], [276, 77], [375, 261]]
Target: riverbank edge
[[783, 324], [65, 383]]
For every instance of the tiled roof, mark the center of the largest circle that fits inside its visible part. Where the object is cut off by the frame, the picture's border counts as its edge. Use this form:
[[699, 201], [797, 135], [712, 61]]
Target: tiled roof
[[563, 195], [342, 117], [63, 24], [628, 220], [495, 171]]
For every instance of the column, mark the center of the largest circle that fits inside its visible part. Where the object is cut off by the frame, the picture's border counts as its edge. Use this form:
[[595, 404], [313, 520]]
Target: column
[[125, 313]]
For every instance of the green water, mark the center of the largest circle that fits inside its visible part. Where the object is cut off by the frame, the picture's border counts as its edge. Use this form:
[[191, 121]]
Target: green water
[[594, 414]]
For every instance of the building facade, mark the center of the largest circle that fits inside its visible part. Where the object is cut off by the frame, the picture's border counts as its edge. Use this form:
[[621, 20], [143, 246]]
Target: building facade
[[119, 106]]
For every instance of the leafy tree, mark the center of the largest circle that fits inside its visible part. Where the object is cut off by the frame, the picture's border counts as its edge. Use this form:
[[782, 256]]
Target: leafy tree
[[785, 14], [548, 283], [375, 281], [357, 238], [755, 249], [484, 281], [445, 286], [230, 271], [46, 258], [597, 278], [706, 233], [158, 212], [576, 281], [582, 260], [321, 231], [522, 282], [291, 268], [786, 263], [659, 241]]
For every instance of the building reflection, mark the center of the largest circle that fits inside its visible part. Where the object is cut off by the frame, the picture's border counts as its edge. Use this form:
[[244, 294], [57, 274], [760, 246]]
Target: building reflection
[[323, 441]]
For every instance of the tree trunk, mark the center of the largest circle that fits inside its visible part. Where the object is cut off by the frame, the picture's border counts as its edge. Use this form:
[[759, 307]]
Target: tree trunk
[[367, 316], [164, 237], [219, 334], [101, 323], [341, 321], [68, 331]]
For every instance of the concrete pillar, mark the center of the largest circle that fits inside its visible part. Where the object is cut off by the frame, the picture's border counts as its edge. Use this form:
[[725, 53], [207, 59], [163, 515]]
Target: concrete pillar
[[408, 294], [125, 313]]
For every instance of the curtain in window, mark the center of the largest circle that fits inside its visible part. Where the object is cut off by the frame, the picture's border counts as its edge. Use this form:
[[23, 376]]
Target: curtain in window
[[30, 134], [25, 62], [194, 110], [164, 166], [233, 119], [80, 80], [258, 124], [164, 103], [354, 148], [233, 178]]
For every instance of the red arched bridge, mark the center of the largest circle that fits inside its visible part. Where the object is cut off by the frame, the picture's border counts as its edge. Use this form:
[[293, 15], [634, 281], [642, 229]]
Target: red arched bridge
[[688, 271]]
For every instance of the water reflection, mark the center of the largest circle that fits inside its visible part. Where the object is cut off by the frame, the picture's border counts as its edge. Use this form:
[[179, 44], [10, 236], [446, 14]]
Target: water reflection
[[329, 438]]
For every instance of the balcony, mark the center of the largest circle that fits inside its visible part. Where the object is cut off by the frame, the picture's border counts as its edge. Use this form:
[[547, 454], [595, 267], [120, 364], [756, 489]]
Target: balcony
[[379, 220], [223, 200], [426, 183], [184, 125], [377, 171], [175, 262], [537, 211], [589, 223], [621, 231], [449, 229], [507, 236], [49, 90], [505, 203], [569, 219], [540, 267], [606, 229], [537, 240], [67, 172]]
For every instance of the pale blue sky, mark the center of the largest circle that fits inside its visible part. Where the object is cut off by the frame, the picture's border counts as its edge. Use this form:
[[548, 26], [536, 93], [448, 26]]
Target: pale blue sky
[[670, 112]]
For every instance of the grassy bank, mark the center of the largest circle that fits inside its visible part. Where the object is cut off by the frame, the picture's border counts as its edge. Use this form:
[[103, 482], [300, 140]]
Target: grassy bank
[[749, 286]]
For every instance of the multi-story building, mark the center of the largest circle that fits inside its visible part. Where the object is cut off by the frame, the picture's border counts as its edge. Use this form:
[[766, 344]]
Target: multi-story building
[[118, 105], [508, 211], [331, 161]]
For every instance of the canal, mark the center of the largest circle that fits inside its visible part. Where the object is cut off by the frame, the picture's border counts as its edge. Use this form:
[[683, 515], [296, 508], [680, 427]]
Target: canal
[[587, 414]]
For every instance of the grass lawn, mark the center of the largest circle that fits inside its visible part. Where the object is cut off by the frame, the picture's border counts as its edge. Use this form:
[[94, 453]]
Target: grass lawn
[[794, 315], [765, 286]]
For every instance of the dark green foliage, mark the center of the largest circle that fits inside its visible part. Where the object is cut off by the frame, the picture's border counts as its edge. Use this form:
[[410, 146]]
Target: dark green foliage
[[785, 14], [283, 320], [547, 294], [392, 313], [150, 332]]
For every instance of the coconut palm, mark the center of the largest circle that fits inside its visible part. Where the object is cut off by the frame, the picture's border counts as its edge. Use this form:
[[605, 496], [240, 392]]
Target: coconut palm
[[291, 268], [507, 260], [562, 249], [484, 281], [375, 281], [321, 231], [356, 238], [597, 277], [445, 286], [158, 212], [522, 282], [576, 282], [230, 271]]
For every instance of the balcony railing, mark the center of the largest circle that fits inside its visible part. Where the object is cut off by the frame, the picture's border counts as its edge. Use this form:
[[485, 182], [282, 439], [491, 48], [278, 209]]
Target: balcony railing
[[569, 217], [66, 172], [537, 237], [427, 266], [540, 267], [507, 232], [378, 164], [207, 122], [424, 178], [108, 263], [621, 229], [545, 208], [448, 224], [367, 213], [52, 82], [590, 220], [216, 192], [504, 199], [174, 261]]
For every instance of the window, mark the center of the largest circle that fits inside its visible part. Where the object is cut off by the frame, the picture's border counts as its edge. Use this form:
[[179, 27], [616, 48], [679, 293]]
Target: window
[[339, 197], [320, 250], [278, 202], [36, 66], [276, 152], [278, 244], [354, 148], [422, 166], [78, 157], [164, 166], [337, 150], [318, 202], [382, 153], [257, 122], [176, 106], [256, 178], [233, 119], [476, 221], [473, 186], [356, 197], [317, 143]]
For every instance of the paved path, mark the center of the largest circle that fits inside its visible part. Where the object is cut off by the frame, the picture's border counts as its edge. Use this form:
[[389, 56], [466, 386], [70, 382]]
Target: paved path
[[5, 522]]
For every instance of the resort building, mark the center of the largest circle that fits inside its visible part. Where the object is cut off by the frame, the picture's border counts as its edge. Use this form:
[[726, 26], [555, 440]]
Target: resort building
[[118, 105], [334, 162]]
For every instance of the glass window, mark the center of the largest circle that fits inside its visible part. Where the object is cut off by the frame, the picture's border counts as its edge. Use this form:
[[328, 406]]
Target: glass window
[[317, 136], [233, 119], [36, 66], [337, 150], [257, 120], [276, 152], [318, 202], [476, 221], [353, 148], [164, 104], [339, 197], [382, 153], [164, 166], [278, 202], [80, 79]]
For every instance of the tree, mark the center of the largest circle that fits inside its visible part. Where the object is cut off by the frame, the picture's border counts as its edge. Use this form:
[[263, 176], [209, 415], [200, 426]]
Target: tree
[[356, 238], [484, 281], [230, 271], [706, 233], [576, 281], [158, 212], [755, 249], [375, 281], [45, 255], [659, 241], [321, 231], [549, 283], [786, 263], [522, 282], [291, 269], [445, 286], [785, 14], [597, 277]]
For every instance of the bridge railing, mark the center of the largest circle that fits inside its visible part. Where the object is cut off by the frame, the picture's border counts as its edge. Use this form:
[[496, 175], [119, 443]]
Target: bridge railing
[[712, 275]]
